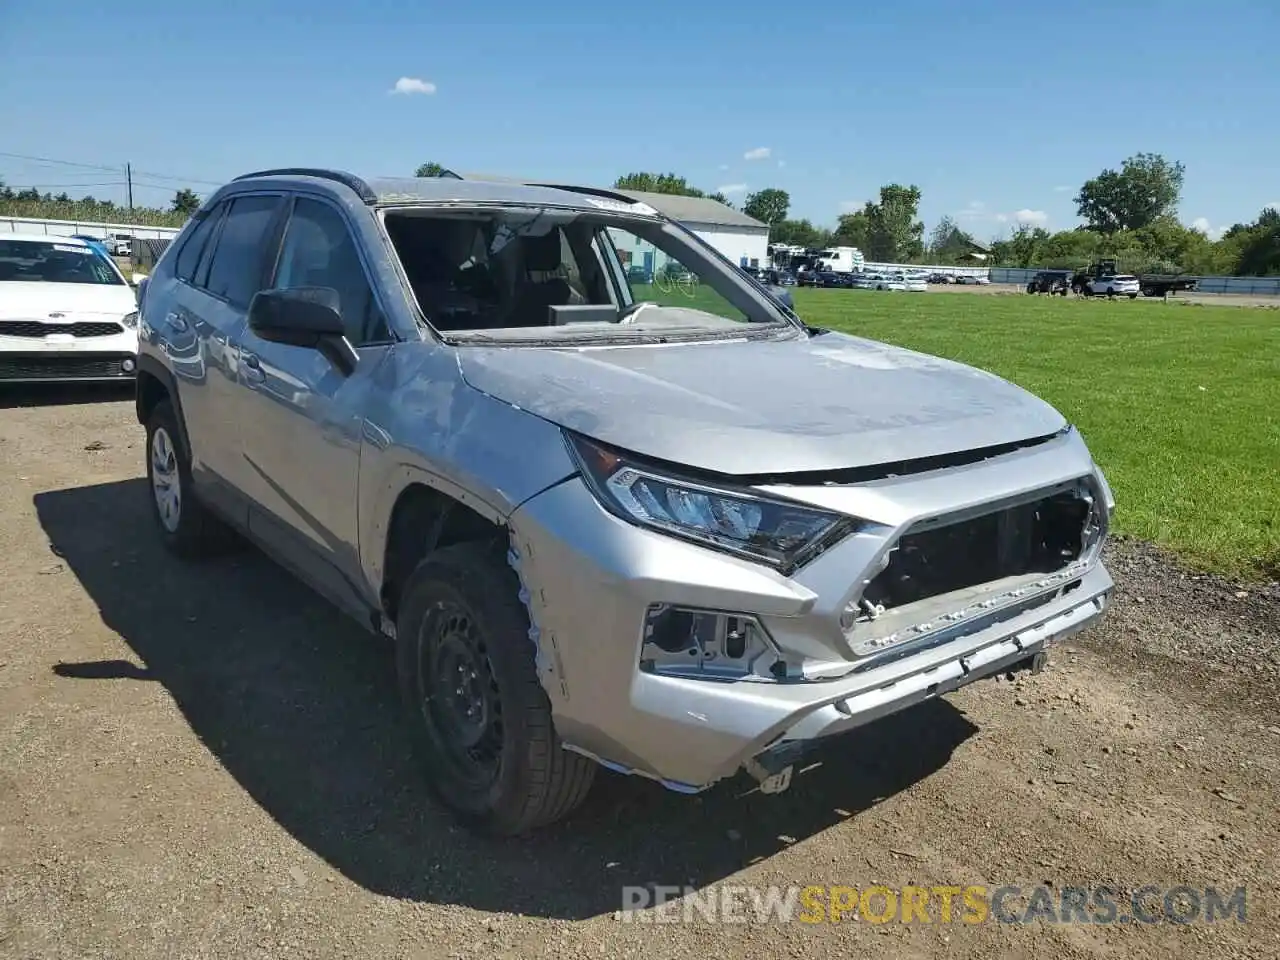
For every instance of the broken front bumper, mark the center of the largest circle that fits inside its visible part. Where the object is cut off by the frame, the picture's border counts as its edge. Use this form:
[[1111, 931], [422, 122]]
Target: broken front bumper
[[591, 582]]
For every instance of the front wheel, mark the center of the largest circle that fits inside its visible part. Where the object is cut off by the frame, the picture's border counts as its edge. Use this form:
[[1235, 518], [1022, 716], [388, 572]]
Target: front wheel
[[186, 526], [477, 713], [1133, 296]]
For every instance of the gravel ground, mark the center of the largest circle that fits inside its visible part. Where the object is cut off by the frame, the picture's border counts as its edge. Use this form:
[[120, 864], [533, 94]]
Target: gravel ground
[[204, 761]]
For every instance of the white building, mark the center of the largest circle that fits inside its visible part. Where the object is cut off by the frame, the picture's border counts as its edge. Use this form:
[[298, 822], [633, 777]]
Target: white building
[[742, 239]]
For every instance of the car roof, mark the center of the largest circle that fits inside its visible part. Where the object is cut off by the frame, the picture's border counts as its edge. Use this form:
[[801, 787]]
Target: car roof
[[43, 238], [392, 191]]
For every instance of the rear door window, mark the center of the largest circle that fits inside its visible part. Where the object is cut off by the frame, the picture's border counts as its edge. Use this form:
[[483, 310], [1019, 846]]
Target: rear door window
[[238, 266]]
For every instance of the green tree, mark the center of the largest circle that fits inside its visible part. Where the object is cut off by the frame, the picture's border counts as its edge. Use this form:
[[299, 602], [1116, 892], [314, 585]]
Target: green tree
[[185, 201], [430, 169], [853, 229], [768, 206], [657, 183], [1259, 246], [1144, 189], [800, 233], [62, 198], [948, 244], [894, 234], [719, 197]]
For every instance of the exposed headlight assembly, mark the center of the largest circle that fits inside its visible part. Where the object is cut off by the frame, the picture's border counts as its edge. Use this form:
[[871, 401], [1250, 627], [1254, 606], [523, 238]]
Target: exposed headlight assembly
[[776, 532], [130, 320]]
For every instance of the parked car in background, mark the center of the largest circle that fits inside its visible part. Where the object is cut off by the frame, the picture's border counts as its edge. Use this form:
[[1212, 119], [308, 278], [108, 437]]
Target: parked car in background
[[914, 282], [66, 312], [676, 533], [941, 278], [1104, 279], [1050, 282], [972, 279]]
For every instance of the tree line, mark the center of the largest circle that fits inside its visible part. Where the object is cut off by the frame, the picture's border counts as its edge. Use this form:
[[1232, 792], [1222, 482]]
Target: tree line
[[1129, 214], [31, 203]]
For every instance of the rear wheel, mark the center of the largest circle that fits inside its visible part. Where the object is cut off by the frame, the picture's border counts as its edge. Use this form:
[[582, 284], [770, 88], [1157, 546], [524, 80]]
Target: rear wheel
[[477, 712]]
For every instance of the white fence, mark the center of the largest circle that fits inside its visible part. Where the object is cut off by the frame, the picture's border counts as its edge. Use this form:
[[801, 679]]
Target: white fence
[[67, 228]]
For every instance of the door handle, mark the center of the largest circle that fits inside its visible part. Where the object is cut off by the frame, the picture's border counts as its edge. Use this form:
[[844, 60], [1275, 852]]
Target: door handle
[[252, 367], [176, 321]]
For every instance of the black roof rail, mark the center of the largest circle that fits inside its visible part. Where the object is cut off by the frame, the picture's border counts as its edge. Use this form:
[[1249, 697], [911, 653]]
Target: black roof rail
[[361, 188]]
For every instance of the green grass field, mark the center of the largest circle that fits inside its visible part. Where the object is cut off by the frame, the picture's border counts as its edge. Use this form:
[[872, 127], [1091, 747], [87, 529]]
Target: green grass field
[[1179, 404]]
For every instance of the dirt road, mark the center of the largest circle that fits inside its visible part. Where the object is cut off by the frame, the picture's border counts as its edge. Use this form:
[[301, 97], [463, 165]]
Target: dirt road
[[205, 761]]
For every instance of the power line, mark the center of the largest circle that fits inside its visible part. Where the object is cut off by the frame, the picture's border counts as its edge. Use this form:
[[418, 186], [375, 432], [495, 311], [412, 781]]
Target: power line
[[64, 163], [63, 186], [119, 169]]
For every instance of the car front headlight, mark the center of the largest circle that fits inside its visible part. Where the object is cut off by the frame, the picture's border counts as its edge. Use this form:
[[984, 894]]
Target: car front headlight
[[130, 320], [779, 533]]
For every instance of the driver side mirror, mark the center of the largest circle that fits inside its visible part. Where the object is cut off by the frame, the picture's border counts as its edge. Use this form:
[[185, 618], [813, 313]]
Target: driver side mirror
[[303, 317]]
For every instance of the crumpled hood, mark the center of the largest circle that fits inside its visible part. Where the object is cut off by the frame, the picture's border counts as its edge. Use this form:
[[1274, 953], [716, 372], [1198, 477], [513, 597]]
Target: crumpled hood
[[764, 407], [29, 300]]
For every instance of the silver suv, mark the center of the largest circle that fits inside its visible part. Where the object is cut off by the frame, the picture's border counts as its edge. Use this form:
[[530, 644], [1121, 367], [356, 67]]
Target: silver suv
[[641, 518]]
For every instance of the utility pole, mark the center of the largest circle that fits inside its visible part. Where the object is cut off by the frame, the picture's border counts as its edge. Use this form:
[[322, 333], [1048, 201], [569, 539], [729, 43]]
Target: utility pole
[[128, 176]]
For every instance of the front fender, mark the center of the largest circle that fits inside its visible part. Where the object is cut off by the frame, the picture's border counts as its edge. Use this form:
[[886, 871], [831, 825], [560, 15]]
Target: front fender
[[429, 427]]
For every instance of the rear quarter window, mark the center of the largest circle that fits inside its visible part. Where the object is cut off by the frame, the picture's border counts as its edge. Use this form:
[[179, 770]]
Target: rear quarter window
[[197, 240]]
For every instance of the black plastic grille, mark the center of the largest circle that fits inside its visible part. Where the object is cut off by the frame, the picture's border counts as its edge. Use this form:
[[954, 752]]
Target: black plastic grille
[[36, 328], [1039, 537], [63, 367]]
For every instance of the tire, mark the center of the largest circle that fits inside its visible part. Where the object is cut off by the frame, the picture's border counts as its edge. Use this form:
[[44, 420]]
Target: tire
[[1133, 296], [461, 621], [186, 526]]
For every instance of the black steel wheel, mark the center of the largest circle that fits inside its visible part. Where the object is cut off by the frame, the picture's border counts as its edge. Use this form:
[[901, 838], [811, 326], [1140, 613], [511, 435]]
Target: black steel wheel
[[478, 716]]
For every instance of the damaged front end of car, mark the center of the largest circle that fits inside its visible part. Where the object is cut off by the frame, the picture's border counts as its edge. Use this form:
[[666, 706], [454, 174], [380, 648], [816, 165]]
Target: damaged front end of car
[[868, 595]]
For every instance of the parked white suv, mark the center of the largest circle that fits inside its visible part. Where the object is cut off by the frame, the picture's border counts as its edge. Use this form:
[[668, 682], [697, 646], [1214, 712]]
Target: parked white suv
[[1118, 285]]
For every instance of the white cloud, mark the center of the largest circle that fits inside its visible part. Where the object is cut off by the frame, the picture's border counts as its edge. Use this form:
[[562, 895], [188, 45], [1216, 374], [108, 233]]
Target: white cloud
[[757, 153], [1274, 205], [1035, 217], [1001, 218], [1062, 189], [781, 164], [413, 85], [729, 188], [975, 210], [851, 206], [1204, 226], [724, 166]]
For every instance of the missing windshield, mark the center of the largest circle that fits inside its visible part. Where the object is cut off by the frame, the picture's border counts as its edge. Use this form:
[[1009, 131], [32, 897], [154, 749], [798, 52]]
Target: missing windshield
[[524, 273]]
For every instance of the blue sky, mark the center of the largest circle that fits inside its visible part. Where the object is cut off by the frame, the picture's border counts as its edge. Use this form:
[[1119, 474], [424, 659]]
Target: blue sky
[[997, 110]]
